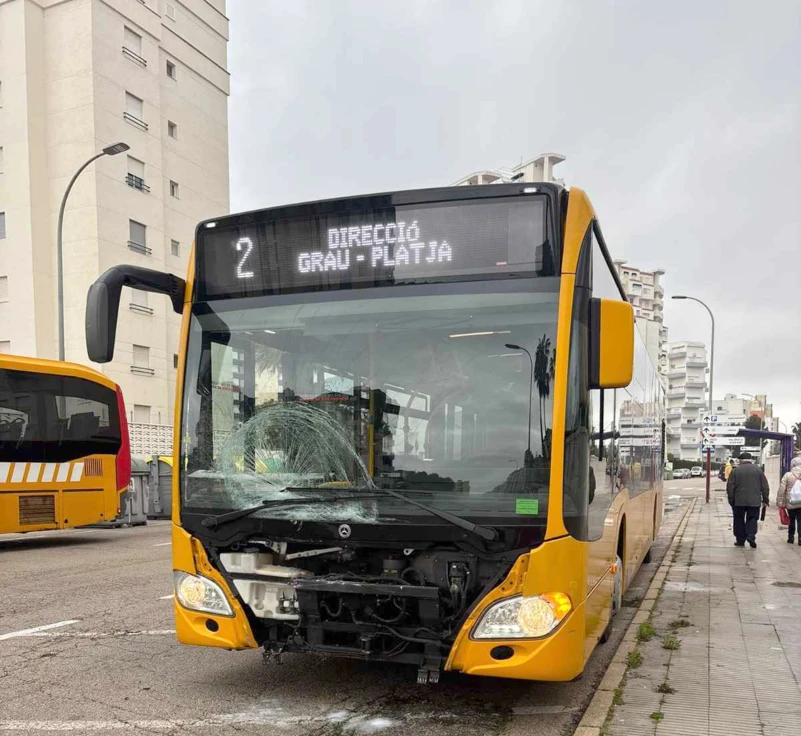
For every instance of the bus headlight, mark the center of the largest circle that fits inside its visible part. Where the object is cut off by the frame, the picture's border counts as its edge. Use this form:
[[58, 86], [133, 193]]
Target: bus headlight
[[523, 618], [200, 594]]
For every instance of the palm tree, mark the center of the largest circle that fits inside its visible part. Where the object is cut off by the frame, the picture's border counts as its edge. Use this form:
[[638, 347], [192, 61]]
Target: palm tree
[[542, 378]]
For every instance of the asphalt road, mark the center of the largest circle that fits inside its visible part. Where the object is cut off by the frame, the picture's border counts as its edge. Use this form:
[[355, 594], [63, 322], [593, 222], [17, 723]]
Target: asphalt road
[[87, 646]]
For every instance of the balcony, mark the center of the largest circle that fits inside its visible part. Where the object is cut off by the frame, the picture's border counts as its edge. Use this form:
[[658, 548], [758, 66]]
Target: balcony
[[696, 383], [133, 56], [673, 431], [677, 391], [688, 443], [659, 291], [139, 248], [674, 412], [691, 423], [135, 121], [137, 182], [677, 352], [696, 363]]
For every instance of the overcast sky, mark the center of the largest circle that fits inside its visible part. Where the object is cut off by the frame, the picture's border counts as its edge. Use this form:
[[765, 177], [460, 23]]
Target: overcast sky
[[681, 120]]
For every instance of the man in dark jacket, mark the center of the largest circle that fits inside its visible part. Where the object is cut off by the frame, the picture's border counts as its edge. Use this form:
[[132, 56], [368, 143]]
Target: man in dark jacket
[[748, 490]]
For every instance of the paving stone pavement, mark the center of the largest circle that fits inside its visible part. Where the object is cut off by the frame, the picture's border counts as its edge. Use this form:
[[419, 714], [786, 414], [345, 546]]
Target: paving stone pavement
[[738, 667]]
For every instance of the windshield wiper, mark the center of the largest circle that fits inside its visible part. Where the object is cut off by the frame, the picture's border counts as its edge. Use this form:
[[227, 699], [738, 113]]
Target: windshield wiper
[[213, 522], [484, 532]]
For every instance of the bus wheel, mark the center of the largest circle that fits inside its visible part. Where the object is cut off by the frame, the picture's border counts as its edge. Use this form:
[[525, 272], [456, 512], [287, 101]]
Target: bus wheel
[[616, 602]]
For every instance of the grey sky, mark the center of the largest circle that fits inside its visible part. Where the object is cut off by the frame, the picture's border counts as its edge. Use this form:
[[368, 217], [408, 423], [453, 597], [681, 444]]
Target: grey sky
[[682, 121]]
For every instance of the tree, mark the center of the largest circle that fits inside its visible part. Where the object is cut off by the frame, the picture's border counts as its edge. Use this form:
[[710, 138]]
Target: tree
[[797, 433], [542, 378], [754, 422]]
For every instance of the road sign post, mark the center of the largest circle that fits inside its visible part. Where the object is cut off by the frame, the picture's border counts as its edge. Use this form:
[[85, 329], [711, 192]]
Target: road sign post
[[708, 471]]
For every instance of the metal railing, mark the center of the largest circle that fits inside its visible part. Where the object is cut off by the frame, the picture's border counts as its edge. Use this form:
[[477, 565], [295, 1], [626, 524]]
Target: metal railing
[[133, 56], [139, 248], [141, 308], [150, 439], [142, 370], [135, 121], [137, 182]]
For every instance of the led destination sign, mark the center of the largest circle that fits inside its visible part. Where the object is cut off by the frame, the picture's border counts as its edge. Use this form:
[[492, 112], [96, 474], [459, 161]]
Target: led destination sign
[[374, 247]]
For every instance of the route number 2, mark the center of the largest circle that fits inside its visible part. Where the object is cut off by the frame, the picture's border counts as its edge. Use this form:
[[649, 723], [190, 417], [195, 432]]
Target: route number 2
[[245, 244]]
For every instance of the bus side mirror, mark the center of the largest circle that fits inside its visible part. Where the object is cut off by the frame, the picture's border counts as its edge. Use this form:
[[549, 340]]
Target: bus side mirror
[[103, 304], [611, 343]]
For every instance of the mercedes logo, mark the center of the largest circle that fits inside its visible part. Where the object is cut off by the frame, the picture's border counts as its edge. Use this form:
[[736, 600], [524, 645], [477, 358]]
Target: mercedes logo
[[344, 531]]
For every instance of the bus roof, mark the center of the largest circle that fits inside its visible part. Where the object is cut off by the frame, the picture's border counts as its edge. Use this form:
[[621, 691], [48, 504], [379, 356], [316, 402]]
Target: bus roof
[[55, 367]]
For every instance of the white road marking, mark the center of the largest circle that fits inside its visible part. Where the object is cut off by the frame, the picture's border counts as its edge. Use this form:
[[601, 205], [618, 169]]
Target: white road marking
[[99, 634], [162, 544], [167, 597], [36, 631]]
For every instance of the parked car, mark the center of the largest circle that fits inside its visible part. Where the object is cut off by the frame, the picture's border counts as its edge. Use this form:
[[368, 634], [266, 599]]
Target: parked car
[[696, 471]]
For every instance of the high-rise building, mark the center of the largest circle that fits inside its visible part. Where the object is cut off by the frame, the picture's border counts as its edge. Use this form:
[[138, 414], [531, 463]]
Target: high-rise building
[[686, 398], [76, 76], [537, 169], [647, 297]]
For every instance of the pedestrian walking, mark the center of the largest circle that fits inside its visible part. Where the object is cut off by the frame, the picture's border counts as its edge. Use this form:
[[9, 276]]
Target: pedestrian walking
[[748, 490], [789, 498]]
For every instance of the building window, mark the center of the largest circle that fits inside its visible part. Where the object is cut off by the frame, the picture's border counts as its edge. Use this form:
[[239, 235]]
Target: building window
[[134, 111], [169, 10], [175, 360], [139, 301], [141, 361], [2, 225], [174, 189], [3, 288], [132, 46], [5, 346], [171, 70], [136, 174], [172, 130], [137, 237], [141, 414], [175, 248]]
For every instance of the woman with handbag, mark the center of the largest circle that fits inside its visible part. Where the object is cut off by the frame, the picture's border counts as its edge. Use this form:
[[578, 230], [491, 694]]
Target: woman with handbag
[[789, 498]]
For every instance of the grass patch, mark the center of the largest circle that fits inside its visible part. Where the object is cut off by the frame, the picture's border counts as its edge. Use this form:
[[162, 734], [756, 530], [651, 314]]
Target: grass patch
[[634, 659], [646, 631], [666, 689], [632, 602], [657, 716], [671, 641], [679, 623], [618, 697]]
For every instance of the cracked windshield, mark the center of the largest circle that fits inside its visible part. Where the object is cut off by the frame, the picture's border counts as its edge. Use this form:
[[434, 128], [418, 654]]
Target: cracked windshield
[[444, 394]]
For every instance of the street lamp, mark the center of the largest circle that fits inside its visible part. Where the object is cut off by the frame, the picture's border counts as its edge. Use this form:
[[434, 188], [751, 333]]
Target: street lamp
[[111, 150], [711, 376], [529, 457]]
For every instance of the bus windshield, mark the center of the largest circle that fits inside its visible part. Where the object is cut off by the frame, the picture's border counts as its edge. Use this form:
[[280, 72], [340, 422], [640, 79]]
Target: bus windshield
[[441, 391], [55, 418]]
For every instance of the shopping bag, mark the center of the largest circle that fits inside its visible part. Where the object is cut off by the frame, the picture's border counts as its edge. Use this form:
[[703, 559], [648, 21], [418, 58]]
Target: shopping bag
[[784, 518]]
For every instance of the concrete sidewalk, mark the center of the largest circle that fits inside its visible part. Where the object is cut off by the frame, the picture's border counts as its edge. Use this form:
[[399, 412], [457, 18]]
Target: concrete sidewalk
[[726, 637]]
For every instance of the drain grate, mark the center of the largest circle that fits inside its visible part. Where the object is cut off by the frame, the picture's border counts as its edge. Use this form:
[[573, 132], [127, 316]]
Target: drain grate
[[780, 584]]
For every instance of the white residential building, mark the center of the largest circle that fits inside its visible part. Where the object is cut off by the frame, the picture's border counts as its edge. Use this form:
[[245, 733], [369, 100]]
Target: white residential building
[[686, 398], [76, 76], [537, 169], [647, 297]]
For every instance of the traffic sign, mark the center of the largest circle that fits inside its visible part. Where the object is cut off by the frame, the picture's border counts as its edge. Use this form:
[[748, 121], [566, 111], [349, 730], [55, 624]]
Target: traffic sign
[[707, 444], [731, 441]]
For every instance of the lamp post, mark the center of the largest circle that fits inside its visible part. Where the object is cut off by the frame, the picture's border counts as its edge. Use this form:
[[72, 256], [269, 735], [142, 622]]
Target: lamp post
[[529, 457], [711, 377], [111, 150]]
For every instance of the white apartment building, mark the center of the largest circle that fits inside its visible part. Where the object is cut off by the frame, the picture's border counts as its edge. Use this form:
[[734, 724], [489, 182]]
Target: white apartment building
[[686, 398], [537, 169], [647, 297], [76, 76]]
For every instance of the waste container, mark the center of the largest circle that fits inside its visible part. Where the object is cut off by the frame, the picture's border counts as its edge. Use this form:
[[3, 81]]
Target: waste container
[[133, 502], [159, 501]]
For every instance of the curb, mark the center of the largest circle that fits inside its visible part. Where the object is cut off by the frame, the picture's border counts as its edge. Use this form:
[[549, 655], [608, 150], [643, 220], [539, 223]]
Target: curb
[[594, 718]]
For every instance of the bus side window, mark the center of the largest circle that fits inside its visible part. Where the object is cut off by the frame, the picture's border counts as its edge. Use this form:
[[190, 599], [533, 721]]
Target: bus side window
[[603, 459]]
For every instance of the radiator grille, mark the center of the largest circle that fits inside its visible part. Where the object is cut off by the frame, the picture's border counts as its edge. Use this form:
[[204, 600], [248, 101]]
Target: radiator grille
[[93, 467], [37, 510]]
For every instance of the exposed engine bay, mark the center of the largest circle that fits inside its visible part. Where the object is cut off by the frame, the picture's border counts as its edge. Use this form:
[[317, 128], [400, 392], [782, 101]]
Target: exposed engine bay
[[381, 604]]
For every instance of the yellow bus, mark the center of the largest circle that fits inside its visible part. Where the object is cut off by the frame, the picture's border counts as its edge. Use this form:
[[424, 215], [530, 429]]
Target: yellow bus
[[64, 452], [417, 427]]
